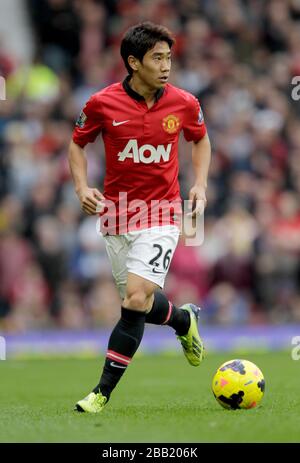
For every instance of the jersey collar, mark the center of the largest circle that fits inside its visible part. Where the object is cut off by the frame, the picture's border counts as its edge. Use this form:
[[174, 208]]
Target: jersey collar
[[136, 96]]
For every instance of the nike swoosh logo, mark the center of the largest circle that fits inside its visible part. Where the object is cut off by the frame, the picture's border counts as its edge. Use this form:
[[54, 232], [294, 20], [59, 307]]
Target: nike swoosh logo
[[155, 271], [113, 364], [115, 123]]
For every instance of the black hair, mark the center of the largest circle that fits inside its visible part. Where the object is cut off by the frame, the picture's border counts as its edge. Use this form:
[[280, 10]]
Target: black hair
[[142, 37]]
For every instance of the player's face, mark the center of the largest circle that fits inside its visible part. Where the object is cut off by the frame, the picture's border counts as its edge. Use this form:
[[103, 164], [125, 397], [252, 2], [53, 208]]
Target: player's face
[[155, 67]]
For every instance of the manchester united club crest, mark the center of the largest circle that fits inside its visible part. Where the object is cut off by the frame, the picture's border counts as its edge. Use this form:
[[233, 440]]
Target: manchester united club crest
[[170, 123]]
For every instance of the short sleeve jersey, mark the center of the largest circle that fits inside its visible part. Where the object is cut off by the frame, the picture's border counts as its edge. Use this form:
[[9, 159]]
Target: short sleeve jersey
[[141, 144]]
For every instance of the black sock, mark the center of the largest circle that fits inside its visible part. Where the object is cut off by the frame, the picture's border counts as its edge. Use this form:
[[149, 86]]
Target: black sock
[[123, 343], [163, 312]]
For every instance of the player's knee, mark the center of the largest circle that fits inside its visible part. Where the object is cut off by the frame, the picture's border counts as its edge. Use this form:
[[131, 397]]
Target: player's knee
[[136, 300]]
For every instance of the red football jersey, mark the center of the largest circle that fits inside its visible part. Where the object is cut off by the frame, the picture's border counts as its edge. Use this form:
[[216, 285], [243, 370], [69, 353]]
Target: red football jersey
[[141, 147]]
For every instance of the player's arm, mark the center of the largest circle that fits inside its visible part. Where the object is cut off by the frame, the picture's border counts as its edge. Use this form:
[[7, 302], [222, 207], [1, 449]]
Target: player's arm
[[91, 199], [194, 130], [88, 126], [201, 156]]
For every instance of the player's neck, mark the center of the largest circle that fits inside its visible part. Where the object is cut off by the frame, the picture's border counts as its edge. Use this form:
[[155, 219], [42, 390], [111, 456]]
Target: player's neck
[[148, 93]]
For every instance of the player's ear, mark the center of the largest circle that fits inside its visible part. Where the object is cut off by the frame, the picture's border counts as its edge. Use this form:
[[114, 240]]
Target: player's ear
[[133, 62]]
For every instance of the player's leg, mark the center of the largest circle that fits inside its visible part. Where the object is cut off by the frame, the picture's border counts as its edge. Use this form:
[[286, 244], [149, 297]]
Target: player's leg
[[123, 342], [184, 320], [164, 312], [127, 334], [133, 259], [117, 249], [150, 256]]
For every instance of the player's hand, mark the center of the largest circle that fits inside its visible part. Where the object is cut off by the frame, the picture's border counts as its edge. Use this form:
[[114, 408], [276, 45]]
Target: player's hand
[[91, 200], [197, 200]]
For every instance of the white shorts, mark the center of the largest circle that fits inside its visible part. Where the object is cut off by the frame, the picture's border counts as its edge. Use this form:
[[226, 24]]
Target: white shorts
[[147, 253]]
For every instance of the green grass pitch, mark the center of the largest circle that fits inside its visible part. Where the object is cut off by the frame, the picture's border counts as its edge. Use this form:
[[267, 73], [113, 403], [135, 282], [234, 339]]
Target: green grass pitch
[[160, 399]]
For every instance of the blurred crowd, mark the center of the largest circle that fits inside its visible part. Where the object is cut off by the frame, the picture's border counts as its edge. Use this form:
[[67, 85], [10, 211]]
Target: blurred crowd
[[238, 57]]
